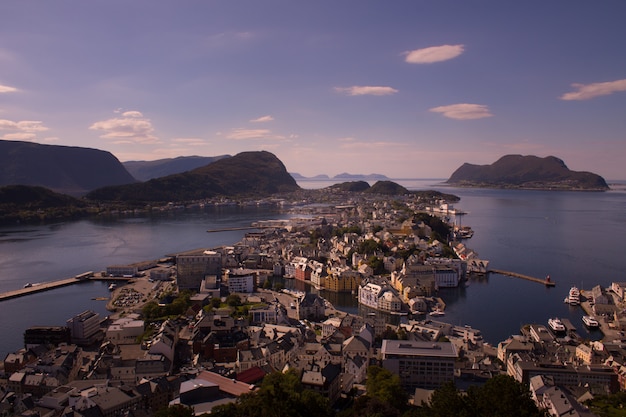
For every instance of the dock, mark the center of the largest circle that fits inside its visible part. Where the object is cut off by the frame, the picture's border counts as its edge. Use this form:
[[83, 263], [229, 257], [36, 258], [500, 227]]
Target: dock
[[39, 287], [51, 285], [545, 281]]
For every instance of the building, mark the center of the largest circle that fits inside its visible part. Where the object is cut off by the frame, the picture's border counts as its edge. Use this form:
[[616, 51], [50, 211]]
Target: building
[[85, 328], [240, 280], [122, 270], [426, 365], [46, 335], [192, 269], [125, 330]]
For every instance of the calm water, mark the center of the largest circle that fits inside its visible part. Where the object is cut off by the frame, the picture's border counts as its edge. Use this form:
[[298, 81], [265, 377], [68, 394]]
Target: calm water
[[575, 237]]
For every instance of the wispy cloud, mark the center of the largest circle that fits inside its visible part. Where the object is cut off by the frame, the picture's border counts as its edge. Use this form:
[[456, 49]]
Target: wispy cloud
[[463, 111], [22, 130], [190, 141], [130, 127], [7, 89], [262, 119], [247, 134], [433, 54], [588, 91], [366, 90]]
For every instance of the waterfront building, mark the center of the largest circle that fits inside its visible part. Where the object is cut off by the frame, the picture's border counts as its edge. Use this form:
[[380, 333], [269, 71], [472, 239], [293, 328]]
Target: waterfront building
[[85, 328], [425, 365], [160, 274], [240, 280], [343, 280], [122, 270], [46, 335], [192, 269], [379, 296], [125, 330]]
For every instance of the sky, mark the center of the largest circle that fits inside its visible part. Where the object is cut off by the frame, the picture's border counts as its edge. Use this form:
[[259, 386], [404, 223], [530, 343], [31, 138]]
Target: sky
[[404, 88]]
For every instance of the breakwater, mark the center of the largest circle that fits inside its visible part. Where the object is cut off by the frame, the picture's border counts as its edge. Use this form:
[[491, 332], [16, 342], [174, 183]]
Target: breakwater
[[545, 281]]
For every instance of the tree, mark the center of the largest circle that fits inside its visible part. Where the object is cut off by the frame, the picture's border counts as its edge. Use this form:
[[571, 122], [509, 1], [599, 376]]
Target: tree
[[233, 300], [280, 395], [502, 395], [386, 387], [177, 410], [216, 302]]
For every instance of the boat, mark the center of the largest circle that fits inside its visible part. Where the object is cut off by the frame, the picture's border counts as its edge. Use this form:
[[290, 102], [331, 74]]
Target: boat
[[437, 312], [591, 322], [112, 286], [573, 298], [28, 285], [556, 325]]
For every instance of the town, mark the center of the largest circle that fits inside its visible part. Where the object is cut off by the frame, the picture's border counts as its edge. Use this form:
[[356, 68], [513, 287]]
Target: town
[[203, 328]]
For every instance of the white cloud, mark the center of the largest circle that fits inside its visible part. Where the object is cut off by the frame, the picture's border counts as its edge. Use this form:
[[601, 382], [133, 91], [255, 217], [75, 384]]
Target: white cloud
[[19, 136], [463, 111], [130, 127], [433, 54], [587, 91], [22, 130], [190, 141], [262, 119], [244, 134], [7, 89], [363, 90]]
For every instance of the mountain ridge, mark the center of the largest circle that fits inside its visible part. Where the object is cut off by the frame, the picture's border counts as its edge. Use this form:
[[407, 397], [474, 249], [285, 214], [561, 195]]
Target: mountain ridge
[[68, 170]]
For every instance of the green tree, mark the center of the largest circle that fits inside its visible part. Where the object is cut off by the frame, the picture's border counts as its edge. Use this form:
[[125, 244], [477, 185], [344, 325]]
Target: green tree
[[216, 302], [233, 300], [386, 387], [502, 395], [280, 395], [177, 410]]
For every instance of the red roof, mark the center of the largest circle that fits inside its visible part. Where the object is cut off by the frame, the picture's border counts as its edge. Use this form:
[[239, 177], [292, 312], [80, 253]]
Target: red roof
[[251, 376]]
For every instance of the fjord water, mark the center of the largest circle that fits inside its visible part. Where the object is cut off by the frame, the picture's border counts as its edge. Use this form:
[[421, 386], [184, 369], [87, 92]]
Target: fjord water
[[575, 237]]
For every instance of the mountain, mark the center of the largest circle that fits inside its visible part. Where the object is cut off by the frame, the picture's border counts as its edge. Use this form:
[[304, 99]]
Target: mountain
[[248, 174], [63, 169], [530, 172], [147, 170], [25, 203], [346, 176], [392, 189]]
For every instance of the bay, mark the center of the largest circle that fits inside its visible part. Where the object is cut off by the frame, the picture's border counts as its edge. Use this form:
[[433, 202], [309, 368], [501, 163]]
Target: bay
[[575, 237]]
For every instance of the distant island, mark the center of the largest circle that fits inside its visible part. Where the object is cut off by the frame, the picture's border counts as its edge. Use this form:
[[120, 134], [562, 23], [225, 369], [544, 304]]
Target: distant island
[[340, 177], [526, 172]]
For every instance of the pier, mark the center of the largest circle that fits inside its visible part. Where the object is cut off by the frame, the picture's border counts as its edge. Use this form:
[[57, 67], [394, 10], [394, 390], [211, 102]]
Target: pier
[[51, 285], [39, 287], [545, 281]]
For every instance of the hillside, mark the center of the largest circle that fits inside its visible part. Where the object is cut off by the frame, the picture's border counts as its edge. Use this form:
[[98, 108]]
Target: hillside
[[248, 174], [147, 170], [529, 172], [63, 169], [390, 188], [27, 203]]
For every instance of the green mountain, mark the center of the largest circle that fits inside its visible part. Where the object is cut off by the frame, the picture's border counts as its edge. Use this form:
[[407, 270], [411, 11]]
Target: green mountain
[[248, 174], [64, 169], [529, 172], [24, 203], [147, 170]]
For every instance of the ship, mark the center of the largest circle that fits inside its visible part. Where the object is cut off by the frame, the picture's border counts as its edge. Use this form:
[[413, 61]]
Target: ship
[[112, 286], [573, 298], [591, 322], [556, 325]]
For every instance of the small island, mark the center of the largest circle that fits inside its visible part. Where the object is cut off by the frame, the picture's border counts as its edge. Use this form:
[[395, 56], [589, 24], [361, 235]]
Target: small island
[[526, 172]]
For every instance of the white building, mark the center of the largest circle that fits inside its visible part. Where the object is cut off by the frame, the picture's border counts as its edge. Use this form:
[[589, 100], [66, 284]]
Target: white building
[[125, 330], [85, 327]]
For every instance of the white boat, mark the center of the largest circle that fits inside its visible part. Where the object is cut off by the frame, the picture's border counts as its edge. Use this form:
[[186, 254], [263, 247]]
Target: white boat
[[556, 325], [112, 286], [573, 297], [437, 313], [591, 322]]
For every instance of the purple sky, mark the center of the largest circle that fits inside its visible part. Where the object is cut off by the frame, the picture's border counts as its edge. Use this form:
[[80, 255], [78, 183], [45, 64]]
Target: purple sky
[[405, 88]]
